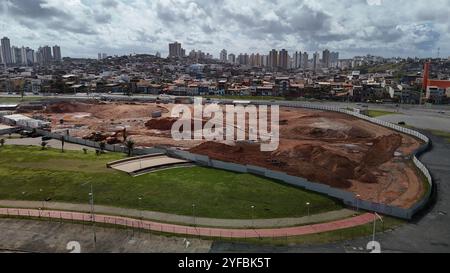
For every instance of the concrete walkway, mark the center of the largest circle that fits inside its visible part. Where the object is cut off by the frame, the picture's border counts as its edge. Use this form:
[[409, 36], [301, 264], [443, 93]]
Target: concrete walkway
[[186, 220], [189, 230], [53, 143]]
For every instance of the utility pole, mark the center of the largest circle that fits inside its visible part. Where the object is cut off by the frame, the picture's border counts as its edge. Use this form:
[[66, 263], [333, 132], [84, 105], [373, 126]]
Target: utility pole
[[91, 194]]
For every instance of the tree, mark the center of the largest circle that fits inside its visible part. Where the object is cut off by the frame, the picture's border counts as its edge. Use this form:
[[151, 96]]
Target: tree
[[130, 146], [43, 145], [102, 147], [2, 142], [125, 134], [63, 141]]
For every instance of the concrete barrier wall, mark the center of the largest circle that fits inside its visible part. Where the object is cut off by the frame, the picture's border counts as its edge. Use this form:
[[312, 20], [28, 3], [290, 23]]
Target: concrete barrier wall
[[8, 131]]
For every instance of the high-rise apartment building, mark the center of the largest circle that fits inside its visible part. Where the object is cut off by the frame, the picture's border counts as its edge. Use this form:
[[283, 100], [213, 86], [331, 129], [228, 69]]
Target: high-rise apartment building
[[305, 60], [57, 53], [334, 59], [6, 51], [284, 59], [326, 58], [29, 56], [223, 56], [232, 58], [46, 55], [273, 58], [316, 58], [297, 60], [16, 55], [175, 50]]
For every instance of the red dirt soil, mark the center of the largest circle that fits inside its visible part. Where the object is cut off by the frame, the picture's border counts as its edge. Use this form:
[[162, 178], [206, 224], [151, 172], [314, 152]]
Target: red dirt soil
[[312, 162], [326, 147]]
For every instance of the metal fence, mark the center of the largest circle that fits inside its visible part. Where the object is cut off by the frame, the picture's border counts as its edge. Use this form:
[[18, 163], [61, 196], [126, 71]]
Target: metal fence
[[8, 131], [200, 231]]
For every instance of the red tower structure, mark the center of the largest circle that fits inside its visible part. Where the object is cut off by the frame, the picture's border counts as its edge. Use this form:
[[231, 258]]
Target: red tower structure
[[426, 75]]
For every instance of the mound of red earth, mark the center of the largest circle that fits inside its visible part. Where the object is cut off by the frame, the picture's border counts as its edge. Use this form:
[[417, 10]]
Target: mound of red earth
[[383, 150], [165, 124], [310, 161], [96, 136], [250, 154], [162, 124], [67, 107], [322, 133]]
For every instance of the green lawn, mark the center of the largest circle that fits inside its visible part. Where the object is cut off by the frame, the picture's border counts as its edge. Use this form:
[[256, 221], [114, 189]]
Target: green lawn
[[18, 99], [442, 134], [64, 177], [246, 97], [379, 113]]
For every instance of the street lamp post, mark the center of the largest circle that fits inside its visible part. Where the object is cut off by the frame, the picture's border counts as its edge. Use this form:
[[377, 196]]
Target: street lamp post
[[91, 195], [357, 202], [375, 215], [307, 205], [193, 214], [140, 210], [253, 216], [43, 199]]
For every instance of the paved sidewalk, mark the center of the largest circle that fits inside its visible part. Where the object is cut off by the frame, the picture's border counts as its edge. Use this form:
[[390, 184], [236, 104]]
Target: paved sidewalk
[[186, 220], [53, 143], [189, 230]]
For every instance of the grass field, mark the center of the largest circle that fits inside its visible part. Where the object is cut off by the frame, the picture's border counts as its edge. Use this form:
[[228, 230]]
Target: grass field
[[442, 134], [378, 113], [18, 99], [246, 97], [28, 173]]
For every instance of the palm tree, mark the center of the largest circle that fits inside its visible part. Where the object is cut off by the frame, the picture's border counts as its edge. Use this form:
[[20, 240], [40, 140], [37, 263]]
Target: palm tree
[[130, 146], [63, 141], [102, 146], [125, 134], [43, 145]]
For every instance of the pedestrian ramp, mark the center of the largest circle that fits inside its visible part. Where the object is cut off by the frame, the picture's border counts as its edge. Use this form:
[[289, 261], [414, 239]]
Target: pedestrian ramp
[[135, 166]]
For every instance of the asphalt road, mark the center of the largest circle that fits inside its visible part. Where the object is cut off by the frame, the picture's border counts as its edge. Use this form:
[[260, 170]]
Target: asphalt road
[[26, 236]]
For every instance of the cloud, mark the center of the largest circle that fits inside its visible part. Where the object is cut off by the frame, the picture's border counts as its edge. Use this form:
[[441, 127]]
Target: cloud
[[34, 9], [83, 27]]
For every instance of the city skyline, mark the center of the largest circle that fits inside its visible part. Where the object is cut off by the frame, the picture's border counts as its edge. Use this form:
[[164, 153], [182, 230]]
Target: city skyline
[[84, 28], [11, 54]]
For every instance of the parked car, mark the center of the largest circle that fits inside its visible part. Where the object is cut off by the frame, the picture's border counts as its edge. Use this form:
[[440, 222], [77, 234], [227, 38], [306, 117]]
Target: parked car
[[26, 133], [46, 138]]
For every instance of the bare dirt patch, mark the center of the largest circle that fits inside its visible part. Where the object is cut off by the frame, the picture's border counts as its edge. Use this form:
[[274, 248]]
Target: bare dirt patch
[[326, 147]]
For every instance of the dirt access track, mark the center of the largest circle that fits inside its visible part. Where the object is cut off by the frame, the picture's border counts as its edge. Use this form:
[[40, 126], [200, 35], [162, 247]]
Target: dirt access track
[[339, 150]]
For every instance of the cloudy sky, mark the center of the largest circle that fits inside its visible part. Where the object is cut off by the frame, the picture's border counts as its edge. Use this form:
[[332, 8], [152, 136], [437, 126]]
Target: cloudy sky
[[353, 27]]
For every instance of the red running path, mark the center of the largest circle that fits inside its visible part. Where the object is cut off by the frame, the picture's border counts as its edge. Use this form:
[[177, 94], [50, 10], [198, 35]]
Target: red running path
[[189, 230]]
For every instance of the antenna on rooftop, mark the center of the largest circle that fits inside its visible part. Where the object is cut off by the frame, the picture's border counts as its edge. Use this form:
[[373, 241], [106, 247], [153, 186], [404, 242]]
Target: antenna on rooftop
[[439, 53]]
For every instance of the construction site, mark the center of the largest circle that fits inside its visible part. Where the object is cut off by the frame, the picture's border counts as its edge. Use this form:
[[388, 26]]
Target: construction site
[[344, 152]]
